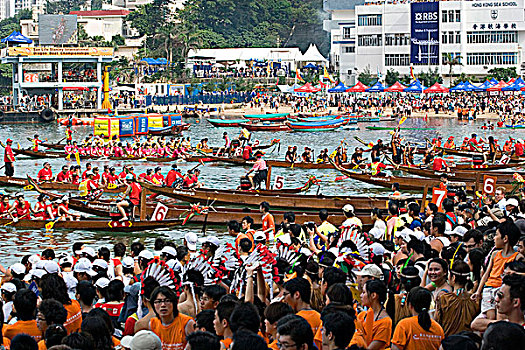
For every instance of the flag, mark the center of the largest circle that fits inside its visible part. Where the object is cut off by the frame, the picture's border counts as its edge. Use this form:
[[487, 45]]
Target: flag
[[412, 73], [269, 68], [327, 76], [298, 75]]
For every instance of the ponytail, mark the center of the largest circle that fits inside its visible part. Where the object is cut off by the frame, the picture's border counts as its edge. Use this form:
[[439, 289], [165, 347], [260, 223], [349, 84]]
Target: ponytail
[[420, 299]]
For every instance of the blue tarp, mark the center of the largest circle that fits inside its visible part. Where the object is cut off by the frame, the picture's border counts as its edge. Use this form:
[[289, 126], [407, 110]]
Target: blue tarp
[[471, 87], [515, 86], [153, 61], [17, 38], [377, 87], [310, 65], [486, 85], [415, 86], [459, 87], [339, 88], [494, 81]]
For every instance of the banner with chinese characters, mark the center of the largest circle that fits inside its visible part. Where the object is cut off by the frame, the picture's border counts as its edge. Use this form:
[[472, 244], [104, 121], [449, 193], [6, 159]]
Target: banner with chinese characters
[[424, 33]]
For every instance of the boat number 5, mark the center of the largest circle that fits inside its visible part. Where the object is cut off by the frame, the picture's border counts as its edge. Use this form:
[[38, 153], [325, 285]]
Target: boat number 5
[[160, 212], [489, 184], [279, 183]]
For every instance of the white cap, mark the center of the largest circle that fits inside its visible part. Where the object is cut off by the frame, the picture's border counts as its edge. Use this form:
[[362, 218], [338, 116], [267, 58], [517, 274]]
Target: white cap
[[419, 235], [101, 263], [33, 259], [51, 267], [88, 173], [9, 287], [18, 268], [349, 208], [377, 233], [145, 340], [146, 254], [84, 265], [259, 236], [102, 282], [125, 342], [89, 251], [37, 273], [66, 260], [404, 234], [41, 264], [371, 270], [174, 264], [377, 249], [169, 250], [191, 240], [458, 231], [128, 262], [213, 240], [512, 201]]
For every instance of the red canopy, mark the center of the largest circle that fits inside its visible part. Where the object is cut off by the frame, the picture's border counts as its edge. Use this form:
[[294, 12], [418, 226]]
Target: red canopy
[[397, 87], [359, 87], [498, 86], [511, 81], [307, 88], [436, 89]]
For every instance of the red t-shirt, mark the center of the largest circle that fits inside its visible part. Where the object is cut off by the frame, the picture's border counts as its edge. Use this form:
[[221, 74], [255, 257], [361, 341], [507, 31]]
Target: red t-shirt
[[61, 177], [45, 174], [246, 152], [171, 177], [518, 149], [8, 154], [439, 164]]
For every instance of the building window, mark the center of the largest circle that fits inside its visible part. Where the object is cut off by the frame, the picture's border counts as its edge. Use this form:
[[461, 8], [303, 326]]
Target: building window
[[458, 37], [492, 58], [444, 16], [397, 39], [492, 37], [346, 32], [451, 16], [349, 49], [458, 16], [369, 20], [397, 60], [370, 40], [444, 38]]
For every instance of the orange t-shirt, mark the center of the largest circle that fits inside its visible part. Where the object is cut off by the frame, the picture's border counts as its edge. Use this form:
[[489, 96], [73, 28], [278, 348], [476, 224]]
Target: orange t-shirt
[[42, 345], [115, 341], [172, 336], [27, 327], [227, 342], [267, 222], [273, 345], [381, 331], [249, 235], [498, 266], [410, 336], [74, 317], [7, 343], [312, 317]]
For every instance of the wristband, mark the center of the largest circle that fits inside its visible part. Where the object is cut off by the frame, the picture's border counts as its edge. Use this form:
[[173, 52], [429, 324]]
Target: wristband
[[433, 284]]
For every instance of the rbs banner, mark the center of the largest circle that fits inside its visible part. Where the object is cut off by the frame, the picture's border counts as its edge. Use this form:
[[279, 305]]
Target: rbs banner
[[424, 36]]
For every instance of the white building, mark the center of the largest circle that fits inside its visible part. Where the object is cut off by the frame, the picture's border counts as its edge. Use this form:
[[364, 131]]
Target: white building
[[484, 33]]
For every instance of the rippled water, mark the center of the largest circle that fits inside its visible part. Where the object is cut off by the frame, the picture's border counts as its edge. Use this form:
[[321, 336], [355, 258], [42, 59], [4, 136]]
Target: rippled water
[[15, 243]]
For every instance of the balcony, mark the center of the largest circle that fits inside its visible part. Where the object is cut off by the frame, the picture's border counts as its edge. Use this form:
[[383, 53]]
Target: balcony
[[333, 5]]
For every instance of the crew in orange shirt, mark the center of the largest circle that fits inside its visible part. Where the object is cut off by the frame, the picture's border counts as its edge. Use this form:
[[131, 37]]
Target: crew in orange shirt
[[419, 331], [171, 326], [268, 222], [221, 322], [50, 313], [25, 305], [374, 327], [296, 293]]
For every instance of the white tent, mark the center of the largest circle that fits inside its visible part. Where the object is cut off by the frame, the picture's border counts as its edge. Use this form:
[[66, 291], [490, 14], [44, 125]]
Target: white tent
[[313, 55]]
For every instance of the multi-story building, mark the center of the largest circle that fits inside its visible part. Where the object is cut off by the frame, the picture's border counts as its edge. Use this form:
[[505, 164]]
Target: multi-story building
[[383, 35]]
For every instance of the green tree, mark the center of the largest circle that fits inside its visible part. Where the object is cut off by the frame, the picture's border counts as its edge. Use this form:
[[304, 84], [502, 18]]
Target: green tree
[[365, 76], [392, 76], [451, 61], [64, 6], [430, 78], [502, 73], [8, 25]]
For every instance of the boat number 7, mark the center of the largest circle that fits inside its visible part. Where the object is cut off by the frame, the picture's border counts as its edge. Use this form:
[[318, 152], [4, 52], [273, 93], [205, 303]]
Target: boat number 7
[[438, 195], [489, 183], [278, 183]]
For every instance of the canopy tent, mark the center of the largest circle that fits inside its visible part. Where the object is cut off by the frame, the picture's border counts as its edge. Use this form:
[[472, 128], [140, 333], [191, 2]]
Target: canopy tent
[[359, 87], [396, 87], [459, 87], [471, 87], [307, 88], [436, 89], [486, 85], [310, 65], [511, 80], [515, 86], [150, 61], [415, 86], [16, 38], [494, 81], [162, 60], [339, 88], [498, 86], [313, 55], [377, 87]]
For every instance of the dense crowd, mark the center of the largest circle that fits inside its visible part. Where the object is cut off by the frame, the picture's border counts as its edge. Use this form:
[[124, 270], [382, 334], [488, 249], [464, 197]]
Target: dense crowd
[[450, 277]]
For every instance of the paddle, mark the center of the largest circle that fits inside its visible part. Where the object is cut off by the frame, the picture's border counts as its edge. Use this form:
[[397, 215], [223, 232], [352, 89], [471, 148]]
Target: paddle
[[62, 139], [49, 225]]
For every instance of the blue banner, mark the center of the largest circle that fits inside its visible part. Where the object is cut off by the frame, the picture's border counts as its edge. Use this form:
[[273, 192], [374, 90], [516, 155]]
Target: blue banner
[[424, 33], [127, 127]]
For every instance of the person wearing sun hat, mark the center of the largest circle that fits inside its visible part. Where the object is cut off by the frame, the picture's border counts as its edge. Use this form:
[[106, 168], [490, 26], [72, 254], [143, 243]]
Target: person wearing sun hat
[[259, 170], [449, 143]]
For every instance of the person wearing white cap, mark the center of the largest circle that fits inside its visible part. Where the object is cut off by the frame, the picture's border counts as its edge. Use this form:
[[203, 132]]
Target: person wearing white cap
[[128, 265], [88, 253], [8, 295], [368, 272], [456, 235], [351, 219], [168, 253], [145, 340], [210, 245], [51, 267], [190, 241], [18, 271], [83, 270]]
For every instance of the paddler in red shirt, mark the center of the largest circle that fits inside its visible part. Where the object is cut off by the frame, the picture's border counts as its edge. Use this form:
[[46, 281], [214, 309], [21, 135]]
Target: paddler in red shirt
[[158, 178], [474, 144], [133, 191], [64, 175], [449, 143], [247, 152], [45, 174], [43, 208], [173, 176], [88, 169], [21, 209], [96, 175], [439, 163], [259, 169], [4, 205], [9, 159], [36, 141]]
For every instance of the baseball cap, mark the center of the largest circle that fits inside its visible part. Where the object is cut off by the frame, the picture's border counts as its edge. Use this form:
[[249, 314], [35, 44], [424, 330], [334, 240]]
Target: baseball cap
[[512, 201], [259, 236], [89, 251], [370, 270], [458, 231], [377, 249], [404, 234], [33, 259], [9, 287], [18, 268], [101, 263], [349, 208], [191, 240], [37, 273], [174, 264], [51, 267], [376, 232], [145, 340], [128, 262], [83, 265], [102, 282], [168, 250], [89, 173], [66, 260], [146, 254], [212, 240]]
